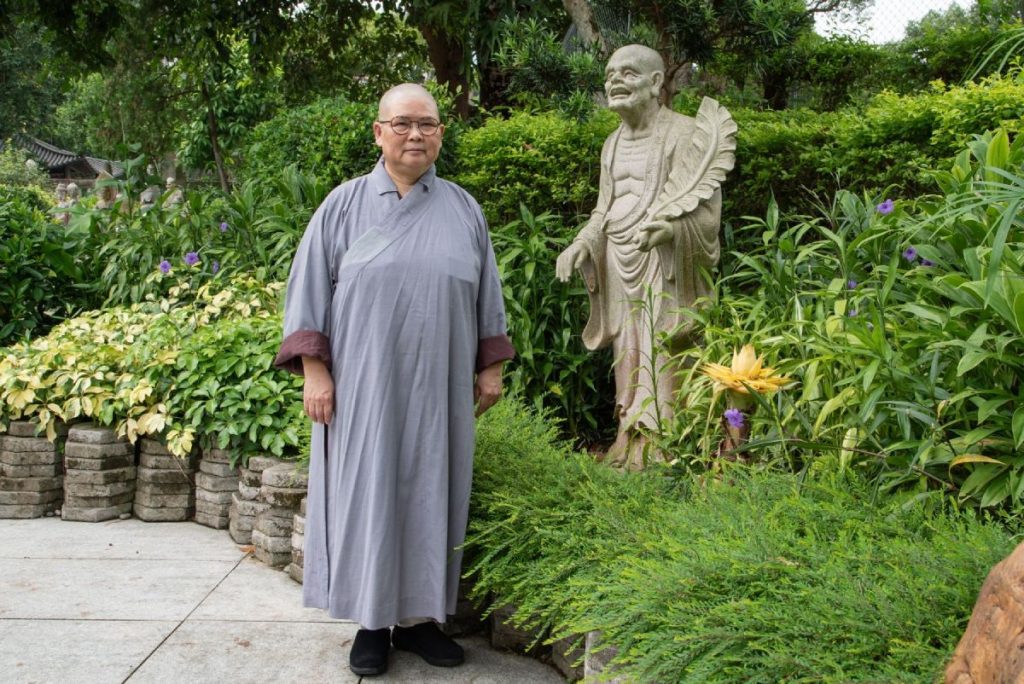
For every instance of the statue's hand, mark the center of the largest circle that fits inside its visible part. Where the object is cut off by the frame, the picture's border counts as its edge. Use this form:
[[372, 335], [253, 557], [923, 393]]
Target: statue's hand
[[653, 234], [573, 258]]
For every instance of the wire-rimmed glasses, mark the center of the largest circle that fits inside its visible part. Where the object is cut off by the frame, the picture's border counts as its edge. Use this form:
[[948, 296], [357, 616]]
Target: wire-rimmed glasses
[[401, 125]]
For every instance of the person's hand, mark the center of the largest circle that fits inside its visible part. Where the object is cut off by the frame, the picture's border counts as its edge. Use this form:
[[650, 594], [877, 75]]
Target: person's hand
[[317, 390], [653, 234], [574, 256], [487, 390]]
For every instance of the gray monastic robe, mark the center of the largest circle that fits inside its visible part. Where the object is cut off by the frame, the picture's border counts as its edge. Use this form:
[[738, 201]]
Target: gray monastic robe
[[402, 299]]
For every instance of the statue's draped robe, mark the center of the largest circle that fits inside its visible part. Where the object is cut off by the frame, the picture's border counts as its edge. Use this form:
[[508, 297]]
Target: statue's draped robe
[[618, 274], [401, 298]]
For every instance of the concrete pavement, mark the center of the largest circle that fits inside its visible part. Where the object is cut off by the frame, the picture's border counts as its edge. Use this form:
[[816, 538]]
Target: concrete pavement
[[129, 601]]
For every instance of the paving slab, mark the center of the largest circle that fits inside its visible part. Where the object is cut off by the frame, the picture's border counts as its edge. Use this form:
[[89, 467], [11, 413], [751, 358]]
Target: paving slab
[[129, 601], [216, 652], [76, 650], [483, 665], [126, 539], [75, 589], [257, 593]]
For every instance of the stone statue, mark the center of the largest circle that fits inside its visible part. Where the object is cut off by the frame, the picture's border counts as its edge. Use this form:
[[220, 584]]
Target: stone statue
[[148, 198], [176, 196], [107, 193], [74, 194], [646, 251], [63, 203]]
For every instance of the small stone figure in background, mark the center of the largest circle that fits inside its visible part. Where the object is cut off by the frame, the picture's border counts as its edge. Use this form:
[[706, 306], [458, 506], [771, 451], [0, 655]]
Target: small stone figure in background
[[62, 203], [147, 200], [107, 193], [645, 252], [74, 194], [176, 195]]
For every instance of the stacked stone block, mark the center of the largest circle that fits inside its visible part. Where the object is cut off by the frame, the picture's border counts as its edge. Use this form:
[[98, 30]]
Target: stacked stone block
[[283, 488], [215, 483], [99, 478], [245, 503], [164, 491], [31, 472], [294, 568]]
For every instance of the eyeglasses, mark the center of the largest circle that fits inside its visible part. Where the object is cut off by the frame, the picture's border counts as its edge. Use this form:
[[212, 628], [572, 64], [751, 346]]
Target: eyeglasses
[[401, 126]]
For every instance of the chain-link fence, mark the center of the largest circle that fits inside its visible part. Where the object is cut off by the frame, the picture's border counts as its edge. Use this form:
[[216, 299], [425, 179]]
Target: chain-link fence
[[886, 20]]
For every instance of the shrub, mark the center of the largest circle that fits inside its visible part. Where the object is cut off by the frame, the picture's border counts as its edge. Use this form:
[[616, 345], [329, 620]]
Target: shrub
[[552, 368], [36, 269], [195, 364], [743, 577], [901, 328], [331, 138], [540, 160]]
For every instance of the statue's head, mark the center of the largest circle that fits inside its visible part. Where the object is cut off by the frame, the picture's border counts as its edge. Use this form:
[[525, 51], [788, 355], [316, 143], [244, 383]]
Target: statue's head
[[62, 191], [633, 79], [408, 129], [73, 191]]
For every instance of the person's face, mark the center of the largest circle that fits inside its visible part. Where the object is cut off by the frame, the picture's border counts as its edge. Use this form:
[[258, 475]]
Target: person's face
[[411, 154], [629, 84]]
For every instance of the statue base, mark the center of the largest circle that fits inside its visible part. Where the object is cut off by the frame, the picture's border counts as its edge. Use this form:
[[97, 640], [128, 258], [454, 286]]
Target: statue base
[[632, 450]]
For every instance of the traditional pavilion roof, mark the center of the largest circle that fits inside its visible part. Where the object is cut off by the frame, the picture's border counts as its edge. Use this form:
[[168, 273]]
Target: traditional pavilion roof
[[54, 158]]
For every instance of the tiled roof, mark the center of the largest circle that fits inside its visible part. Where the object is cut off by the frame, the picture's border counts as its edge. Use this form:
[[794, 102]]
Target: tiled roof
[[53, 157]]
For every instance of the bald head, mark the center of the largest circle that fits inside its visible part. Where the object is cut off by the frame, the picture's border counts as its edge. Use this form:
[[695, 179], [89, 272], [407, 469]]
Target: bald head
[[404, 92], [642, 56]]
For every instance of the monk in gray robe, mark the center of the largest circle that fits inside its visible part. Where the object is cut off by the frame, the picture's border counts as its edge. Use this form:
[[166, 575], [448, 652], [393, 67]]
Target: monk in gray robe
[[394, 315]]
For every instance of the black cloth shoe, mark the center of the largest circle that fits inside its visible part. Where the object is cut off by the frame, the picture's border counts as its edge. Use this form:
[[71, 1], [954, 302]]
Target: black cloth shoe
[[428, 642], [369, 654]]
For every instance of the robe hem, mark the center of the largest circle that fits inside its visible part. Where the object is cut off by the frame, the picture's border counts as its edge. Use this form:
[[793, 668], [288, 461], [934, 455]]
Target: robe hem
[[302, 343], [415, 607]]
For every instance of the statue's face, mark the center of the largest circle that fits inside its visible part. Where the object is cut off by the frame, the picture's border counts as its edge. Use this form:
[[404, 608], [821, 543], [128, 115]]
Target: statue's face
[[628, 82]]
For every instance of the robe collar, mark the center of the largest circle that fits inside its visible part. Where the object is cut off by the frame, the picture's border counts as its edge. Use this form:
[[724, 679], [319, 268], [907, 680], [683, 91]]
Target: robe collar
[[383, 184]]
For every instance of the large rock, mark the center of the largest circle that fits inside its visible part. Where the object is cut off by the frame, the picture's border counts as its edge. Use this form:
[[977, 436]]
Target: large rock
[[991, 651]]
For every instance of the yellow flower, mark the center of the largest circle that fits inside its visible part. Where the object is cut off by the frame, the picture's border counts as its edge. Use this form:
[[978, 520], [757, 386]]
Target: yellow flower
[[747, 371]]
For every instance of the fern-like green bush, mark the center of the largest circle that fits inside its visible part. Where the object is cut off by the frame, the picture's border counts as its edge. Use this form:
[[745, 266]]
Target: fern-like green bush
[[753, 577]]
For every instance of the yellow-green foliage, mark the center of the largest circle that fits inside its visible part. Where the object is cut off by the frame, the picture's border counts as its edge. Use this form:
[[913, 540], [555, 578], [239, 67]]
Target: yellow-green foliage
[[743, 577], [114, 366]]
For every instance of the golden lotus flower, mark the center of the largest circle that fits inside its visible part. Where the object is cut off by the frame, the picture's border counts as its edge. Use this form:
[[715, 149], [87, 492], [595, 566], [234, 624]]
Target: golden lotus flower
[[747, 370]]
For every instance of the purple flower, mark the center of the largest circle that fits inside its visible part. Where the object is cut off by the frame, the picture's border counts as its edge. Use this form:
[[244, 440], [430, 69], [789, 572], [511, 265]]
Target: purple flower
[[191, 259], [886, 207], [165, 266], [910, 254], [851, 284], [852, 313], [735, 418], [223, 226], [927, 262], [215, 267]]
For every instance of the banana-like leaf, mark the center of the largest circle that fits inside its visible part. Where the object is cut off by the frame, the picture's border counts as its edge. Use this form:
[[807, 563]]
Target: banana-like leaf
[[714, 138]]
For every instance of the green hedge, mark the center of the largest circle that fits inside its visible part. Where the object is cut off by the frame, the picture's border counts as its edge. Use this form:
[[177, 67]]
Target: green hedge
[[541, 160], [331, 138], [741, 577], [37, 270]]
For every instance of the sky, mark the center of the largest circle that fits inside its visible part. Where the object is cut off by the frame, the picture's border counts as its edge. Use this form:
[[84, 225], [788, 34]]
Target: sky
[[889, 17]]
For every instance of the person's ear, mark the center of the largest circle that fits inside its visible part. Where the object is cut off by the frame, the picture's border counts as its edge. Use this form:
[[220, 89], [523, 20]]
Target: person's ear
[[378, 131], [657, 80]]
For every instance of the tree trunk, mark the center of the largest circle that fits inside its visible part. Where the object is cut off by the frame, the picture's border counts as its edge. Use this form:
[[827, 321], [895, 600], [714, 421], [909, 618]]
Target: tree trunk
[[211, 128], [583, 19], [447, 58], [776, 90]]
